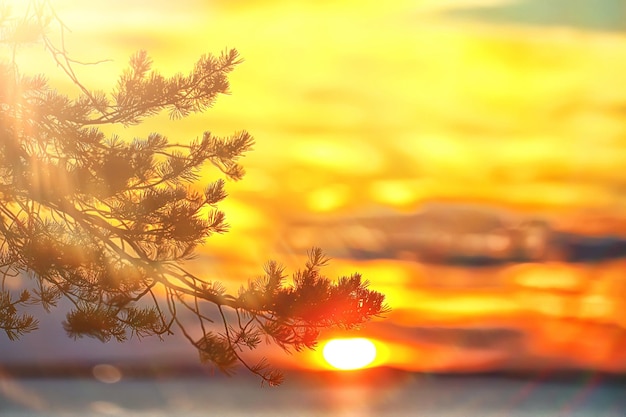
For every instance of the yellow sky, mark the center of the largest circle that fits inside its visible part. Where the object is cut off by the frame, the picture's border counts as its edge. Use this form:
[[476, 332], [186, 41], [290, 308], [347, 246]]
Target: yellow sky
[[359, 106], [388, 105]]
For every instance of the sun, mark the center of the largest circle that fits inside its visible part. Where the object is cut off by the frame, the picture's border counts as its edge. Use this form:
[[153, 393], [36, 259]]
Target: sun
[[350, 353]]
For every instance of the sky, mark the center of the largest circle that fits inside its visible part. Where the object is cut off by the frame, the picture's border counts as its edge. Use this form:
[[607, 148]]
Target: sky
[[454, 118]]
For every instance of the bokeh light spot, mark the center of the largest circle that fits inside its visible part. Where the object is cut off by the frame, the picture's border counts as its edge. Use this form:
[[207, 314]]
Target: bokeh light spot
[[106, 373]]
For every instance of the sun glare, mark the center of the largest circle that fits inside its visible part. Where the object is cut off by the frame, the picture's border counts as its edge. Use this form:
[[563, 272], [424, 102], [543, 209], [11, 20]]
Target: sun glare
[[348, 354]]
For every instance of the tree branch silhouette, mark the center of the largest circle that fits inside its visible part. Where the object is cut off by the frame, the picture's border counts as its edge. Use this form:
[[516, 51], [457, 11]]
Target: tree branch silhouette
[[108, 223]]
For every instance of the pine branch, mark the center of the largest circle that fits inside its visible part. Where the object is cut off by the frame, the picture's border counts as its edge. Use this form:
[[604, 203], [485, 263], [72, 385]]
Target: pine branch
[[107, 222]]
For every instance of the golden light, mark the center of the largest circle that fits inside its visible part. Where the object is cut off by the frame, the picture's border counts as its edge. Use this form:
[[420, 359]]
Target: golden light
[[348, 354]]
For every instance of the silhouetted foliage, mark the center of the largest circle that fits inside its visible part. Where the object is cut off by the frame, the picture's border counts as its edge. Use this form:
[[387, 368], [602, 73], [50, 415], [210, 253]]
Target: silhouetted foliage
[[107, 222]]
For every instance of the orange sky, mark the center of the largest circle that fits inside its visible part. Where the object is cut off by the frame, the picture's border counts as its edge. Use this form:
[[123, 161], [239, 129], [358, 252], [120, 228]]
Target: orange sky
[[365, 107]]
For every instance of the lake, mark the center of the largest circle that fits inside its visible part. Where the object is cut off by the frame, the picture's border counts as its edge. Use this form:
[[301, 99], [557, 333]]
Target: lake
[[308, 396]]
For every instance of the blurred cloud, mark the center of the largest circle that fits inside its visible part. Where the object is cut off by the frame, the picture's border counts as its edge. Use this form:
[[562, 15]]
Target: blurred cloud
[[454, 234]]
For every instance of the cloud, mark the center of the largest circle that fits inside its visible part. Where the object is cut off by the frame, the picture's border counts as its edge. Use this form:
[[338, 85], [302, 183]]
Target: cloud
[[455, 234], [473, 338]]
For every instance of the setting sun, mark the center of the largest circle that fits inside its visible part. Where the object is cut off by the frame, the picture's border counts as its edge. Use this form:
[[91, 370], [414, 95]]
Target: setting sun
[[348, 354]]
